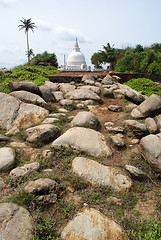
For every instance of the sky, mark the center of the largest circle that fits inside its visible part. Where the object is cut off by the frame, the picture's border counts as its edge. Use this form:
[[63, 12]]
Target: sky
[[94, 23]]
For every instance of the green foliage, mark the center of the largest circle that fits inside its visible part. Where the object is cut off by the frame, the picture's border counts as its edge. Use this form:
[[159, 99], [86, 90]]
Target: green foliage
[[147, 230], [96, 60], [108, 55], [45, 57], [45, 229], [131, 60], [32, 73], [23, 199], [146, 86]]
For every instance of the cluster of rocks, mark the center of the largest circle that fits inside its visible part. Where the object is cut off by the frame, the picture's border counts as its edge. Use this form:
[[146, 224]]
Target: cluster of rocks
[[26, 108]]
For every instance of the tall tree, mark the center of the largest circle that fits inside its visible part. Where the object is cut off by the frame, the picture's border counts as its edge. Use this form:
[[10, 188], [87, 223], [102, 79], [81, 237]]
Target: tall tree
[[109, 55], [27, 25]]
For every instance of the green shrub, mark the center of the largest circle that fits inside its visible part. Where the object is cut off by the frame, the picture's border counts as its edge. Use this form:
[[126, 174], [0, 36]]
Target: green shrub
[[35, 74], [146, 86]]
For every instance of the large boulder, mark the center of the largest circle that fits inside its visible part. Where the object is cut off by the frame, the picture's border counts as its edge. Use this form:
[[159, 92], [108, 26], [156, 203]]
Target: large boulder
[[46, 93], [108, 80], [149, 108], [52, 86], [66, 102], [158, 121], [28, 96], [8, 110], [84, 139], [7, 159], [92, 88], [151, 125], [42, 133], [134, 96], [150, 149], [13, 112], [82, 94], [66, 87], [58, 95], [85, 119], [16, 222], [99, 174], [87, 77], [90, 224], [139, 129], [24, 85], [108, 93], [29, 115]]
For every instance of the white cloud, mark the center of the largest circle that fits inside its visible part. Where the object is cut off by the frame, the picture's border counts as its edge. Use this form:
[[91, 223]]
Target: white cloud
[[7, 2], [69, 34], [43, 25]]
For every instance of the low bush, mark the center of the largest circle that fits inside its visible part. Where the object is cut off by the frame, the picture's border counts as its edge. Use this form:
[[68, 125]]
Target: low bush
[[146, 86], [35, 74]]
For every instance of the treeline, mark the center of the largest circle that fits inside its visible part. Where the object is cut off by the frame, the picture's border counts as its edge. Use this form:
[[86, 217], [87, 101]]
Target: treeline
[[131, 60]]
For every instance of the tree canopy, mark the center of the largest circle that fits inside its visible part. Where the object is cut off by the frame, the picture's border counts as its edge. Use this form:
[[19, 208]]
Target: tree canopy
[[132, 60], [46, 58]]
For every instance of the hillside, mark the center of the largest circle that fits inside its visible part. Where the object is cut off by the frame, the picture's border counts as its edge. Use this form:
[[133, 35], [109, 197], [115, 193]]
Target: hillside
[[83, 159]]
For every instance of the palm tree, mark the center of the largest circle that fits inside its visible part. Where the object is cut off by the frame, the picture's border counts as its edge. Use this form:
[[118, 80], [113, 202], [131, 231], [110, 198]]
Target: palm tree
[[30, 53], [27, 24]]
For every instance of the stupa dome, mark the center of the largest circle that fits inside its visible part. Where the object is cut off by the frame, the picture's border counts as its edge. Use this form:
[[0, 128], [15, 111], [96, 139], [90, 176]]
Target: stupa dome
[[76, 60]]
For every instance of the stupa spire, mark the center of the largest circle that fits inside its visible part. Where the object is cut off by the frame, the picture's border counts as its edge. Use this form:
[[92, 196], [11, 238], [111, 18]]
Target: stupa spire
[[76, 46]]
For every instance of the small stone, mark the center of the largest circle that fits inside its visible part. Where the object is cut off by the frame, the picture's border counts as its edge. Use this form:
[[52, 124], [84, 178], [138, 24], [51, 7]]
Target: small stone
[[50, 120], [135, 172], [50, 198], [115, 200], [135, 141], [47, 154], [40, 185], [117, 141], [2, 184], [115, 108], [3, 138], [7, 159], [80, 106], [62, 110], [24, 170], [18, 144], [66, 102]]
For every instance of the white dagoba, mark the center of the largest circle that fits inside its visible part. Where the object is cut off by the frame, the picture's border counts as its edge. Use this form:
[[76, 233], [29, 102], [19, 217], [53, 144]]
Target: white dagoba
[[76, 60]]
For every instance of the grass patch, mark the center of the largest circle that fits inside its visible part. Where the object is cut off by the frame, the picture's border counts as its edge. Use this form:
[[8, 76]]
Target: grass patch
[[147, 230], [45, 229], [23, 199]]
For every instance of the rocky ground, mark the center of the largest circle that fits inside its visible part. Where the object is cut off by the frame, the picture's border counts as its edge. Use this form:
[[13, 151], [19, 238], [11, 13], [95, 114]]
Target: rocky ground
[[79, 161]]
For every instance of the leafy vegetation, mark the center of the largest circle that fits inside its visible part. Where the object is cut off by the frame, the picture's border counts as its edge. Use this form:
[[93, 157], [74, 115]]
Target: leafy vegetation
[[146, 86], [147, 230], [35, 74], [131, 60], [45, 229], [45, 57]]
